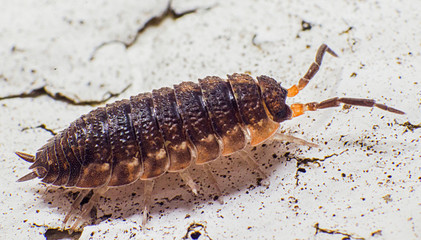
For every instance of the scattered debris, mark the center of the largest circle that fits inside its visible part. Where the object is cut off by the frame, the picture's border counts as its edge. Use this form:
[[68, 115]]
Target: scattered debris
[[329, 231], [378, 232], [196, 231], [305, 26], [56, 234], [388, 198], [346, 31], [409, 126]]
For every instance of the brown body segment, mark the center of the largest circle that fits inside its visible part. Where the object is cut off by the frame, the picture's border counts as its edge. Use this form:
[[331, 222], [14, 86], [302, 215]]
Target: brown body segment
[[127, 163], [75, 136], [64, 174], [221, 108], [74, 164], [80, 136], [196, 121], [72, 141], [54, 169], [153, 153], [96, 166], [171, 127], [251, 108]]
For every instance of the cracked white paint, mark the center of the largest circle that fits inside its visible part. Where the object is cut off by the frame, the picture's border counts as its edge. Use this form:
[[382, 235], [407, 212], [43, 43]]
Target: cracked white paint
[[374, 185]]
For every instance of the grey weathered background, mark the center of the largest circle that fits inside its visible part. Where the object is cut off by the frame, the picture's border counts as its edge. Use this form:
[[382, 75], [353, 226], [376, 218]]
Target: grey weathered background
[[87, 50]]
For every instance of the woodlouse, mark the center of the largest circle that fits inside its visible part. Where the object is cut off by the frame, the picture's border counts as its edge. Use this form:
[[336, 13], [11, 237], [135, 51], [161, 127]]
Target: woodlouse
[[170, 129]]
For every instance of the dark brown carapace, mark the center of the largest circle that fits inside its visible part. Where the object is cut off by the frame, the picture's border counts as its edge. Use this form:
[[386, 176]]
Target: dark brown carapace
[[170, 129]]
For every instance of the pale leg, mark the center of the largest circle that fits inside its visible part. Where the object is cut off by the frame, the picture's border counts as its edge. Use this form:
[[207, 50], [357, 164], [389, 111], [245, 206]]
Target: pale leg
[[88, 207], [75, 206], [185, 175], [288, 138], [211, 177], [254, 166], [147, 195]]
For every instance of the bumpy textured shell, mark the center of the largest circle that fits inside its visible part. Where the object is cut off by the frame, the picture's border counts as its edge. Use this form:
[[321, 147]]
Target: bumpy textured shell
[[166, 130]]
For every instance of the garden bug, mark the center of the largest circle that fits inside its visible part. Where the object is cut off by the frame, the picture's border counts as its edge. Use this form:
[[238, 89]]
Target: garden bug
[[170, 129]]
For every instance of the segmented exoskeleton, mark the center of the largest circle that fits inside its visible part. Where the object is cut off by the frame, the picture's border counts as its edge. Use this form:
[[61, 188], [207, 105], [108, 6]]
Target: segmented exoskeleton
[[170, 129]]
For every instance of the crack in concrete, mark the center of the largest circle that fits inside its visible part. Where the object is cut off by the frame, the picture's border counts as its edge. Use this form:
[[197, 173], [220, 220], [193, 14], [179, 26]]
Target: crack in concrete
[[43, 91], [168, 13], [42, 126], [306, 161], [332, 232]]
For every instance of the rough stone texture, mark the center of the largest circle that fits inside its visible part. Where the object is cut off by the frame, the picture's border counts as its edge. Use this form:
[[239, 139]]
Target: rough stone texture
[[368, 188]]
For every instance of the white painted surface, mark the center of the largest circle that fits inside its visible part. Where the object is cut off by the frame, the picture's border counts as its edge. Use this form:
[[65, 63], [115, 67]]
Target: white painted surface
[[379, 191]]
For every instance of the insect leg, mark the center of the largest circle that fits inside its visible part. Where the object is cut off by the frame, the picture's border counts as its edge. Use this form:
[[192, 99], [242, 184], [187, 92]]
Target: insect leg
[[314, 68], [299, 108], [252, 163], [75, 206], [88, 207], [185, 175], [147, 195], [211, 177], [288, 138]]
